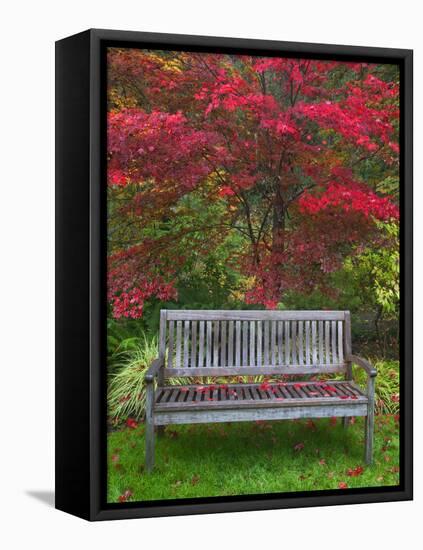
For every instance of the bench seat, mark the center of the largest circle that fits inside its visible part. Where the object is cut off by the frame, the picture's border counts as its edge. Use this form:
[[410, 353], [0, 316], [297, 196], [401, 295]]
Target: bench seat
[[195, 404], [277, 394]]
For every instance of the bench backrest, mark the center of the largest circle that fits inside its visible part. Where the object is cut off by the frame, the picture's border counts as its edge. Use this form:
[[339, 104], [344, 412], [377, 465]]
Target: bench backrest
[[227, 343]]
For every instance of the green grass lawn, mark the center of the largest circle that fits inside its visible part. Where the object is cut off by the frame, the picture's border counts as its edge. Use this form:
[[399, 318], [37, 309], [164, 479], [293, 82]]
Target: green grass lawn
[[207, 460]]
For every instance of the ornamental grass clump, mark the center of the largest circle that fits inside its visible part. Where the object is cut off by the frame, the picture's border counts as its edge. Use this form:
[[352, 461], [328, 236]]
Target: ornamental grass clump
[[126, 388]]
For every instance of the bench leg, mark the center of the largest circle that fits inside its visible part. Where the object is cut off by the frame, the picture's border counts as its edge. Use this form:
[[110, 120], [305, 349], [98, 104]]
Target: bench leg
[[149, 447], [370, 420], [369, 432], [346, 421], [149, 429]]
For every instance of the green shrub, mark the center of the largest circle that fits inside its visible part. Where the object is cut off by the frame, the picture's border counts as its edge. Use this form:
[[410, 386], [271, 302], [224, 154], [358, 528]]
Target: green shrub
[[386, 388]]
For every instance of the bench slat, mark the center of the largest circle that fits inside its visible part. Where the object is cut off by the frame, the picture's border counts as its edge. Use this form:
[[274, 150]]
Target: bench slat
[[216, 343], [178, 343], [245, 342], [170, 345], [334, 354], [201, 344], [307, 342], [281, 358], [223, 344], [231, 343], [252, 344], [340, 343], [208, 343], [266, 343], [314, 342], [301, 342], [321, 358], [186, 343], [249, 315], [194, 344], [238, 343], [294, 342], [273, 342], [251, 412], [253, 371], [259, 343], [327, 342], [287, 344]]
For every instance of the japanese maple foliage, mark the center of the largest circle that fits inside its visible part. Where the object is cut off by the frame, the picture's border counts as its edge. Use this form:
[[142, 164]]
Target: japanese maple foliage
[[279, 143]]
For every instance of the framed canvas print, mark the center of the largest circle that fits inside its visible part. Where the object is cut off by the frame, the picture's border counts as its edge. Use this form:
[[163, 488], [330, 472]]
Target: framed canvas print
[[234, 274]]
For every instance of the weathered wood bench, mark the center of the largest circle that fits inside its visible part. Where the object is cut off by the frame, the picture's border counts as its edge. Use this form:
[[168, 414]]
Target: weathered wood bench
[[197, 343]]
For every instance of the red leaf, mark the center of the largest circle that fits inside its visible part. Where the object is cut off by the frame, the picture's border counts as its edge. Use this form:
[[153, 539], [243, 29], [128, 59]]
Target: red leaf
[[125, 496], [342, 485], [195, 479], [131, 423], [355, 472], [299, 447]]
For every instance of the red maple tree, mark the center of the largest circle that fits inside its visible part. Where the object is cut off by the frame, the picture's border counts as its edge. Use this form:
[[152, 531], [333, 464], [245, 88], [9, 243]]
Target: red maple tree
[[281, 142]]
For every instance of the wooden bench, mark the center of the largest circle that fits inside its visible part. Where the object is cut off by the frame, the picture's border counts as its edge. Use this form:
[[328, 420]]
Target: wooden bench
[[204, 343]]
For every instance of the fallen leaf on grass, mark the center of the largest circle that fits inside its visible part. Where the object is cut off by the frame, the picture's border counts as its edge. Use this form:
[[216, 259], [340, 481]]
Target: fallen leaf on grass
[[177, 483], [355, 472], [115, 458], [125, 496], [131, 423], [299, 447], [342, 485], [172, 433], [195, 479], [322, 462]]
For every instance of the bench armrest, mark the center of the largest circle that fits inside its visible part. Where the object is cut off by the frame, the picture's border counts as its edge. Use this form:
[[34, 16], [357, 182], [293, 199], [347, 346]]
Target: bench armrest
[[370, 369], [154, 369]]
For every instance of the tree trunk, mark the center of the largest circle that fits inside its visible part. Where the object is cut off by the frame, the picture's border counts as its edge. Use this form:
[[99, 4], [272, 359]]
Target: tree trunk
[[278, 228]]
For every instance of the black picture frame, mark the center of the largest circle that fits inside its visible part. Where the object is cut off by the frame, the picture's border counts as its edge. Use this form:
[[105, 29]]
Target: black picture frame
[[80, 275]]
